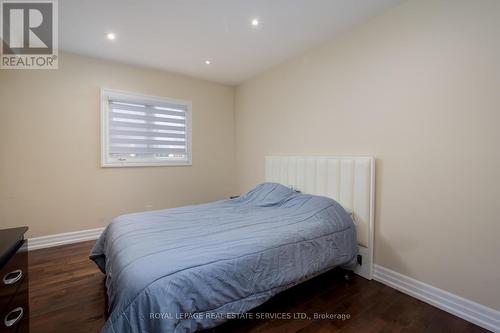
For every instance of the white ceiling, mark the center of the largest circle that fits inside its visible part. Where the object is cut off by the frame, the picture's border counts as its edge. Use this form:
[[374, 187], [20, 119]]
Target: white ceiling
[[179, 35]]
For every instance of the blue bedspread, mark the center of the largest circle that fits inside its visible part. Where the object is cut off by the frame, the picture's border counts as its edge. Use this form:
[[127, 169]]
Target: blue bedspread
[[189, 268]]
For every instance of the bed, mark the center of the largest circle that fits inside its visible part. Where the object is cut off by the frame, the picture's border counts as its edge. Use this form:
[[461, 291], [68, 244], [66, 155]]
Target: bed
[[194, 267]]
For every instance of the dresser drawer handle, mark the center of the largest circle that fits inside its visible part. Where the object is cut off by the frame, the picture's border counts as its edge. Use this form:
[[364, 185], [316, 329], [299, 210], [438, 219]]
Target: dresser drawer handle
[[13, 277], [17, 315]]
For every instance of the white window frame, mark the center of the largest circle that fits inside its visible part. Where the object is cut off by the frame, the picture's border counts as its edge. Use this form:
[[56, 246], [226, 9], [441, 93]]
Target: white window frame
[[107, 161]]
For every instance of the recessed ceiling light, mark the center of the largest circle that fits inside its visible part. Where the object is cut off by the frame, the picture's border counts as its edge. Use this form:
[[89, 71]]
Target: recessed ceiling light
[[255, 22], [110, 36], [208, 62]]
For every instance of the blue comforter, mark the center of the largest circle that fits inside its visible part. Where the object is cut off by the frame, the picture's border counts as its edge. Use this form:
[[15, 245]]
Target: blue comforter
[[189, 268]]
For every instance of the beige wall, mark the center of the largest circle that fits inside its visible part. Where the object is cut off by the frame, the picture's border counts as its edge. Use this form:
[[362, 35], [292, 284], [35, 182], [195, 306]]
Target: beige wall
[[419, 88], [50, 177]]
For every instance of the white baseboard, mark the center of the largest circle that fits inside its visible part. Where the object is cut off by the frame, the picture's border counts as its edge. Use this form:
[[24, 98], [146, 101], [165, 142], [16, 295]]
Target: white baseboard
[[62, 239], [461, 307]]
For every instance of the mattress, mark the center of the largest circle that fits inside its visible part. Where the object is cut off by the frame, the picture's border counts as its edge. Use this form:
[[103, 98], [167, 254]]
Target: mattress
[[194, 267]]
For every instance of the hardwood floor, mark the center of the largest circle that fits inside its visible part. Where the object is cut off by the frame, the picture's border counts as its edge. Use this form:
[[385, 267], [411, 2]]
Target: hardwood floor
[[67, 295], [66, 290]]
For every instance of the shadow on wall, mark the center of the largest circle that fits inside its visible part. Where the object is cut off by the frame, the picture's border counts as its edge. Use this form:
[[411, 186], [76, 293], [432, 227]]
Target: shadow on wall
[[388, 249]]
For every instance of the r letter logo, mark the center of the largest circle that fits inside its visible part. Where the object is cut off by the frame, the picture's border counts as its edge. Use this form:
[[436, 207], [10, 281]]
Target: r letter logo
[[29, 34]]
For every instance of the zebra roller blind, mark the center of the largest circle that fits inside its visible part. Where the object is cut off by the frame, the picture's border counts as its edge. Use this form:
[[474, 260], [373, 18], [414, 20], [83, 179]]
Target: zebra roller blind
[[140, 130]]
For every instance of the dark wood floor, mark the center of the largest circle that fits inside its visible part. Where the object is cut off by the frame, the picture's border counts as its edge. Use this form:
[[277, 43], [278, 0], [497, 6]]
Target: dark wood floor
[[67, 295]]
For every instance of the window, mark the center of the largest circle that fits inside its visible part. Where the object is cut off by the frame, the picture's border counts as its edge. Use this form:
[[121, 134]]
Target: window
[[141, 130]]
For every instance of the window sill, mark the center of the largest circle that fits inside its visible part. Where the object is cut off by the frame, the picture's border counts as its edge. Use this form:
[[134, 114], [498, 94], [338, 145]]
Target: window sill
[[145, 164]]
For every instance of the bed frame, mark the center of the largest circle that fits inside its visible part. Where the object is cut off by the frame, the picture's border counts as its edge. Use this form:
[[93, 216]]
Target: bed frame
[[348, 180]]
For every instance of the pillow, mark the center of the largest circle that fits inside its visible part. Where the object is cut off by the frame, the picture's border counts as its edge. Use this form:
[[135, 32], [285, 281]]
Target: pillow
[[349, 212]]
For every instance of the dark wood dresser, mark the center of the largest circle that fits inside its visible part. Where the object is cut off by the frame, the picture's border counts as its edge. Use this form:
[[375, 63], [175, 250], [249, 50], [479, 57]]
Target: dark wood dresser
[[14, 300]]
